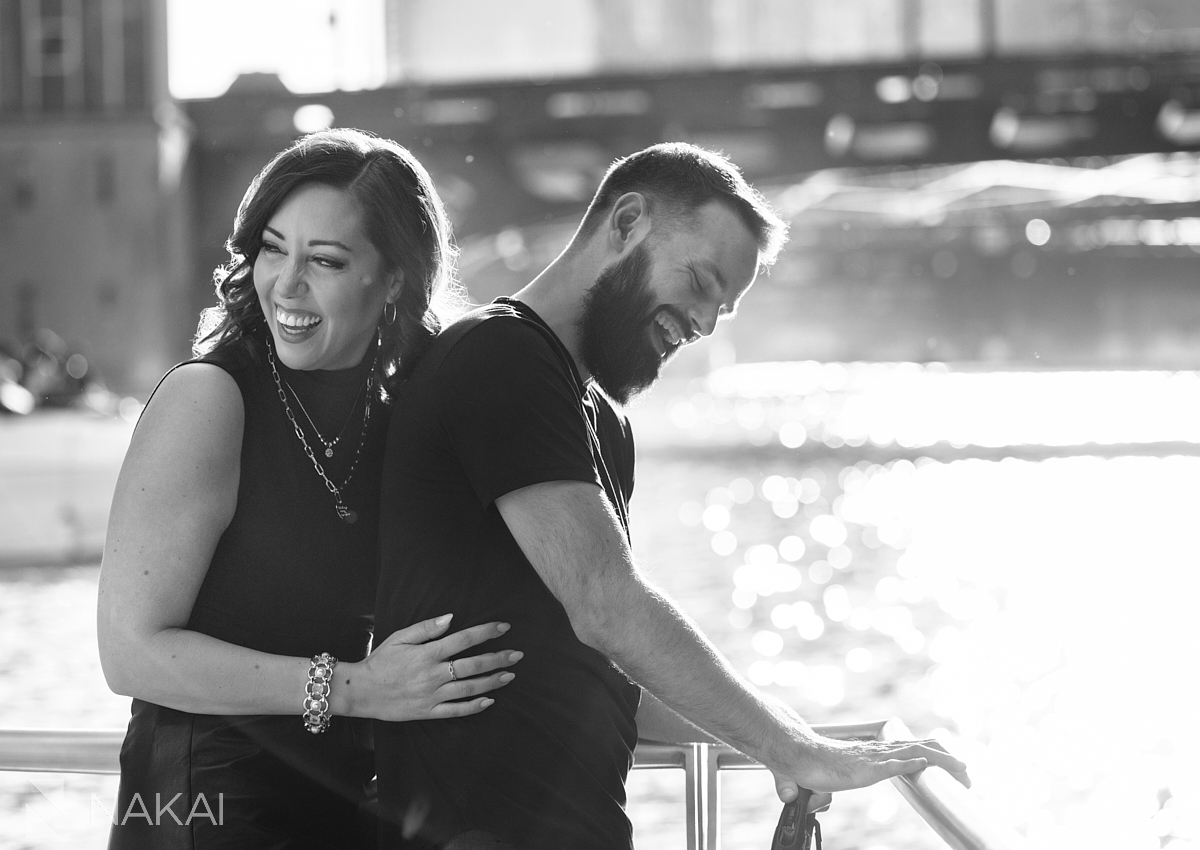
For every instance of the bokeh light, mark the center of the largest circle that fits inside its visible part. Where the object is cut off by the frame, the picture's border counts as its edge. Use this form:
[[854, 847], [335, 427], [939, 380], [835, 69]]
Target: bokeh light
[[1037, 231]]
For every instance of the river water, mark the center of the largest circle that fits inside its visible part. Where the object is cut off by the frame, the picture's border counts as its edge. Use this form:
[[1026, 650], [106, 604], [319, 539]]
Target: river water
[[1005, 560]]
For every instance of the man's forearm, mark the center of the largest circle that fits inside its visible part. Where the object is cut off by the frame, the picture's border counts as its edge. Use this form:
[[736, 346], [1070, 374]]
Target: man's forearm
[[657, 645], [572, 538], [657, 722]]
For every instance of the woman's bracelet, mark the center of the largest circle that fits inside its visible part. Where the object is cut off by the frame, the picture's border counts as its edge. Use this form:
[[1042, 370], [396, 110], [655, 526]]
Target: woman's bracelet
[[316, 692]]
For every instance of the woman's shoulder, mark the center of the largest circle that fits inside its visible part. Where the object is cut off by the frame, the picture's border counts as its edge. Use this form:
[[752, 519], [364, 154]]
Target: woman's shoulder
[[196, 398], [233, 357], [218, 375]]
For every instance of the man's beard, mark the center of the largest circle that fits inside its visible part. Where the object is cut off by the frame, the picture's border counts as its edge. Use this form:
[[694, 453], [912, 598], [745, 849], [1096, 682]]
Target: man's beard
[[614, 328]]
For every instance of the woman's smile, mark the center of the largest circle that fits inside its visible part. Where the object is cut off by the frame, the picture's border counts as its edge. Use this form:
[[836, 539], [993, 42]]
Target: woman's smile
[[294, 325]]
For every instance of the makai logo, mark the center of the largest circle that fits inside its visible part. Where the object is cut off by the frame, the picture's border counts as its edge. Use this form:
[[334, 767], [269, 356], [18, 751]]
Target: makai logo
[[165, 813], [56, 810]]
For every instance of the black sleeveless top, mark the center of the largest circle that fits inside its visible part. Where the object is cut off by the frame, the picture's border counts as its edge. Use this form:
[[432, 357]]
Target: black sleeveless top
[[288, 577]]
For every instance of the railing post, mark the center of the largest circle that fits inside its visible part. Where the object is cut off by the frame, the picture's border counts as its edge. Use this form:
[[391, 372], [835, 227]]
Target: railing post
[[695, 768], [712, 788]]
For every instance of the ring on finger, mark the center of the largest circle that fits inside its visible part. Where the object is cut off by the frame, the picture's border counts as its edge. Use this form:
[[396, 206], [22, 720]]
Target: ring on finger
[[453, 678]]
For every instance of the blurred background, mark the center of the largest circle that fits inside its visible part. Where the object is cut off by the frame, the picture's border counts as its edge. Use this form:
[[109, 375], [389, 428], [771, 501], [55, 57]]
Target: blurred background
[[943, 466]]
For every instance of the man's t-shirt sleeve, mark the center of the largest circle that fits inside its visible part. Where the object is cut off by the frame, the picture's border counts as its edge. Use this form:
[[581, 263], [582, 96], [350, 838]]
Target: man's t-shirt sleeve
[[511, 411]]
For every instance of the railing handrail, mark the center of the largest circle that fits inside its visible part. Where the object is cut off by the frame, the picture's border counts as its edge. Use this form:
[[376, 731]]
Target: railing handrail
[[61, 750], [952, 811]]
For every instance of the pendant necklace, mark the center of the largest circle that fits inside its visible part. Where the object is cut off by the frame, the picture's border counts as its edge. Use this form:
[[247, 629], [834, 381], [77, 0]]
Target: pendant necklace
[[328, 444], [344, 513]]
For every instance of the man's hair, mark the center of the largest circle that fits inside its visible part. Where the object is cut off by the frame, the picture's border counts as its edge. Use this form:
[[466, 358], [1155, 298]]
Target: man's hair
[[677, 179]]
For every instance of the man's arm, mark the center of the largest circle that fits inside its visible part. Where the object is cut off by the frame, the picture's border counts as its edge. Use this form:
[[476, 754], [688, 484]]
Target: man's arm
[[658, 723], [570, 533]]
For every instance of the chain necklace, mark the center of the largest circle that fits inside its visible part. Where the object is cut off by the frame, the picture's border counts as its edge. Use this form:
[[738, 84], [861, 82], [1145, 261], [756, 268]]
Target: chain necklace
[[326, 443], [343, 512]]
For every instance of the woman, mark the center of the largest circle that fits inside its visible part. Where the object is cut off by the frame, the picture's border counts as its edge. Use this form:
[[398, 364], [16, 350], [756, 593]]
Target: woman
[[239, 570]]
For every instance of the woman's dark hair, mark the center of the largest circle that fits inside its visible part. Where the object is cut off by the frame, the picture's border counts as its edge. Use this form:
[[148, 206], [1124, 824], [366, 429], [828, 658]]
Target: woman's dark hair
[[403, 219]]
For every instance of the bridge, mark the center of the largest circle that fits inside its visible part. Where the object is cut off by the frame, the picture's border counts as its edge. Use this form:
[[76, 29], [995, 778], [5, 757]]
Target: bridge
[[517, 152]]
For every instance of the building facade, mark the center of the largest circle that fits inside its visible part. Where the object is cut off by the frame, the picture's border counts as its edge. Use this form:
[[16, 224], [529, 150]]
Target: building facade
[[93, 201]]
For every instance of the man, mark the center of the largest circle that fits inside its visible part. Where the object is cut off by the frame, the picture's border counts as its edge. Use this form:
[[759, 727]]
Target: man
[[506, 484]]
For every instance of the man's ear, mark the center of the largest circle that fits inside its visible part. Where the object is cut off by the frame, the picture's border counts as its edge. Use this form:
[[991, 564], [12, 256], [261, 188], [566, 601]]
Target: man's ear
[[628, 222]]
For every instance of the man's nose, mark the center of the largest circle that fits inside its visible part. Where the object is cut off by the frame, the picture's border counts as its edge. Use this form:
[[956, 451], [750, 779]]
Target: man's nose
[[704, 321]]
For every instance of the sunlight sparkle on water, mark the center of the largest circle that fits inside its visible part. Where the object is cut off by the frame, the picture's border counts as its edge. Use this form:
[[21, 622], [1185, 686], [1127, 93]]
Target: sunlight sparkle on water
[[911, 405], [767, 643], [828, 530], [715, 517], [1073, 582], [1049, 602], [724, 542], [792, 548], [820, 572]]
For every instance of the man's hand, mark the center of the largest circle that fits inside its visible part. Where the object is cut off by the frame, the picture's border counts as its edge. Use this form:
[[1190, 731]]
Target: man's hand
[[787, 791], [842, 765], [825, 765]]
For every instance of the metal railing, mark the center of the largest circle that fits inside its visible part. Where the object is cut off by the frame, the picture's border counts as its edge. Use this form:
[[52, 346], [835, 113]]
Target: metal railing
[[953, 812]]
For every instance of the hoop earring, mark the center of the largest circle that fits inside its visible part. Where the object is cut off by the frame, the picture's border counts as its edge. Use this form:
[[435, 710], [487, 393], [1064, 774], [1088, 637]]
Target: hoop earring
[[386, 319]]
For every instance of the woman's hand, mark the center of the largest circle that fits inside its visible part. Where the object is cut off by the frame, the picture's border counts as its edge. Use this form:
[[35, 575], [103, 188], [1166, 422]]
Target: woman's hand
[[408, 676]]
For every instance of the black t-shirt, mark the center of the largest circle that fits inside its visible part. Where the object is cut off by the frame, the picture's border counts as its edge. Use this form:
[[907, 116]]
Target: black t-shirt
[[496, 405]]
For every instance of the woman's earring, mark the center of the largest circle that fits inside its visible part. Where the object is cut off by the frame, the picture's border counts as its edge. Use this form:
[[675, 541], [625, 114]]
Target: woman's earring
[[389, 320]]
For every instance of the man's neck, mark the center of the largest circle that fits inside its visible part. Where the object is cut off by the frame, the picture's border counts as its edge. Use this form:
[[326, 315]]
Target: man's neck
[[557, 296]]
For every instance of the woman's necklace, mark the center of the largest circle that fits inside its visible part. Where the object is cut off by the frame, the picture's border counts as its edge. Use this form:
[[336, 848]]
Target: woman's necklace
[[328, 444], [343, 512]]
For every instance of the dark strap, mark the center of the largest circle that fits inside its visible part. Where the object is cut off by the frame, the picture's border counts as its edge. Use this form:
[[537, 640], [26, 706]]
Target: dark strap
[[797, 830]]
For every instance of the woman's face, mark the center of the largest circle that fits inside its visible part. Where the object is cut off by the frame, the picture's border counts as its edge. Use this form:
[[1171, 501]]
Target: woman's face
[[320, 281]]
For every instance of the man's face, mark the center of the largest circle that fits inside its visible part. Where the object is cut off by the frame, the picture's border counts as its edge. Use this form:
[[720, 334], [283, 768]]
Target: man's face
[[666, 292]]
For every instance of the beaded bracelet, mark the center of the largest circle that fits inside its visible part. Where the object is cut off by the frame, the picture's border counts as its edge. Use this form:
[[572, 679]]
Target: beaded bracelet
[[316, 693]]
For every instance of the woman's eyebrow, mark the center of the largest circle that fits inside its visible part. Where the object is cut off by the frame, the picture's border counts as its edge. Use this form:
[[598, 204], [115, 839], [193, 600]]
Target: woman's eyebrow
[[332, 242]]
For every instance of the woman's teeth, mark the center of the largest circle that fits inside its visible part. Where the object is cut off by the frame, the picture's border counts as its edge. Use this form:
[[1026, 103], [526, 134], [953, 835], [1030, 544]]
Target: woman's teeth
[[294, 322]]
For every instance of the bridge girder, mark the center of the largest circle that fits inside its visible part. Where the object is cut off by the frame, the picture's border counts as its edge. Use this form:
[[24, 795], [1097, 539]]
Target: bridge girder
[[516, 152]]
